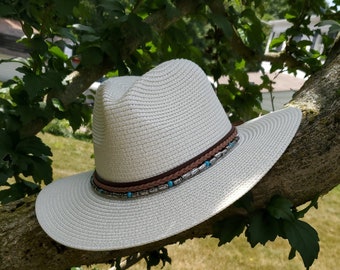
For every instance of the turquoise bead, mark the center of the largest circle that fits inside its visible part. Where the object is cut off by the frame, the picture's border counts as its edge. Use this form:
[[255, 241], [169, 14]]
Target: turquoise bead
[[207, 163], [129, 194], [170, 184]]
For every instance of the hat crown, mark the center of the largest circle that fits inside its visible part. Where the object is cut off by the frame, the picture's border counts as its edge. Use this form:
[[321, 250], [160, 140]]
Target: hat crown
[[145, 126]]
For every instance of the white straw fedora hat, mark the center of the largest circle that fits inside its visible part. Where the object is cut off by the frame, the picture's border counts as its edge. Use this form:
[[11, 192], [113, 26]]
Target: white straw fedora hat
[[167, 158]]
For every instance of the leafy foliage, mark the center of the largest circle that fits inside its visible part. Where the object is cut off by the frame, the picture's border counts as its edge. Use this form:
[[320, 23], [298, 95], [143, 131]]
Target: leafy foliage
[[28, 157], [279, 218]]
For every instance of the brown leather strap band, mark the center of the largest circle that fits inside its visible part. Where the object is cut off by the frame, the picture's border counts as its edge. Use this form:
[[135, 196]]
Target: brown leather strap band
[[167, 176]]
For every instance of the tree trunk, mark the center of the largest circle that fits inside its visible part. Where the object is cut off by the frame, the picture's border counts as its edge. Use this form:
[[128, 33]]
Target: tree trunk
[[309, 167]]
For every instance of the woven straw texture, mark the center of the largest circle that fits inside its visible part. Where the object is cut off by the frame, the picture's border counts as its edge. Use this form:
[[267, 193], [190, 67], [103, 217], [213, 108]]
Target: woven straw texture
[[156, 122], [148, 127]]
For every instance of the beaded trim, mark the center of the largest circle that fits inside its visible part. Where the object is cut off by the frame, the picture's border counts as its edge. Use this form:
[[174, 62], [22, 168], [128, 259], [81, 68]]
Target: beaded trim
[[171, 183], [164, 177]]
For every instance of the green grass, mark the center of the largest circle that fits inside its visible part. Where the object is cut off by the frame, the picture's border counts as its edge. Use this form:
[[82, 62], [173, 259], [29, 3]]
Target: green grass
[[71, 156]]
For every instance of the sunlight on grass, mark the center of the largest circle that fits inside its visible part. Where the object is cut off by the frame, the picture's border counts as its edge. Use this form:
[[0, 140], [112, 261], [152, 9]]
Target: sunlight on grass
[[71, 156]]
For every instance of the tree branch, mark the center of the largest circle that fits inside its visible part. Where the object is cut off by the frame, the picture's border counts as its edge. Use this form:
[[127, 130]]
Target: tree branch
[[285, 58]]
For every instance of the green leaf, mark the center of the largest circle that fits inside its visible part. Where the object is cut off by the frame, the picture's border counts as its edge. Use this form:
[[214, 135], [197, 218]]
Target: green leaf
[[76, 115], [58, 104], [6, 144], [289, 17], [304, 43], [276, 66], [292, 253], [33, 146], [42, 169], [83, 28], [27, 29], [38, 44], [277, 41], [281, 208], [223, 23], [17, 191], [241, 76], [28, 113], [240, 65], [52, 79], [253, 30], [303, 238], [262, 228], [31, 158], [20, 60], [14, 193], [114, 6], [89, 38], [67, 33], [57, 52], [33, 85], [227, 229]]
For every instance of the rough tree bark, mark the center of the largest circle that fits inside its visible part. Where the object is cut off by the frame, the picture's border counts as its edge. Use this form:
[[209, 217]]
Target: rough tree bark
[[308, 168]]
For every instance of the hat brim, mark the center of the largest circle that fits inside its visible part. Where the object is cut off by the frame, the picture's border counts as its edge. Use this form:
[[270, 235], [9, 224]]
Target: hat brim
[[74, 215]]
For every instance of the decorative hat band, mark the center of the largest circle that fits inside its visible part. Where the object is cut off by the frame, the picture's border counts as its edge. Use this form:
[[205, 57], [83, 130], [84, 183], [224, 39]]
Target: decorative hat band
[[170, 178]]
